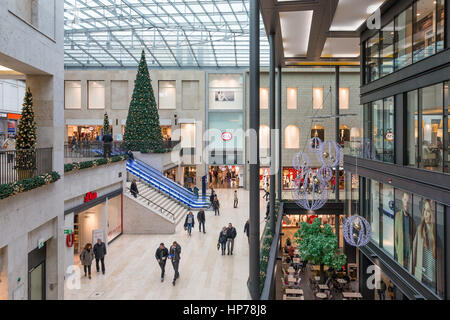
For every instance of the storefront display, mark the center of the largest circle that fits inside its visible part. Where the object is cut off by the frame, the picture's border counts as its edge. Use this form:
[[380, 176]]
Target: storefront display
[[225, 176], [264, 178], [171, 174], [83, 133], [289, 175], [190, 174], [114, 217]]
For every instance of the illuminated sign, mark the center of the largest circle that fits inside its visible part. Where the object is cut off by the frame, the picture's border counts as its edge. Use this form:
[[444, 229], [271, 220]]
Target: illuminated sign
[[227, 136], [90, 196]]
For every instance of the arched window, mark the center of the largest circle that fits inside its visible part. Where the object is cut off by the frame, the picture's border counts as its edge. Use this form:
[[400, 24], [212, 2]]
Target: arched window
[[264, 137], [318, 131], [344, 134], [292, 137]]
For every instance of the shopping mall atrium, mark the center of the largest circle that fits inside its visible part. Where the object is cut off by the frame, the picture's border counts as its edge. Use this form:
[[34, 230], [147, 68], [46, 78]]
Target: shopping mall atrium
[[225, 150]]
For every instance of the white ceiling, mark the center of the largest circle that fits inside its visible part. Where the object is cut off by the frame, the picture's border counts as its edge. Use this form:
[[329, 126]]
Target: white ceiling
[[351, 14], [341, 48], [295, 31]]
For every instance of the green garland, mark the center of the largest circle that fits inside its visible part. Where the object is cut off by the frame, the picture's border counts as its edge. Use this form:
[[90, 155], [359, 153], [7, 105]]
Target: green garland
[[264, 253], [11, 189], [92, 163]]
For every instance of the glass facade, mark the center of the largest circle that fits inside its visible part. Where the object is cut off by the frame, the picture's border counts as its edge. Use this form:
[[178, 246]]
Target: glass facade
[[415, 34], [410, 228], [427, 120]]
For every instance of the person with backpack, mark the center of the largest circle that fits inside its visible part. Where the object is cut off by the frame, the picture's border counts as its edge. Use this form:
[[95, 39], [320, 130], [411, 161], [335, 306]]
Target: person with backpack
[[189, 222], [231, 234], [201, 220], [222, 243], [161, 256], [175, 256]]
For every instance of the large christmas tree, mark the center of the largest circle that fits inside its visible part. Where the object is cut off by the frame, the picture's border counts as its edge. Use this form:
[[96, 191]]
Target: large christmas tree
[[26, 138], [142, 131]]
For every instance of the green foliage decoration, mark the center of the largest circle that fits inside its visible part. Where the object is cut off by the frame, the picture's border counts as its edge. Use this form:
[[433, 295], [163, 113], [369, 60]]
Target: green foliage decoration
[[11, 189], [26, 136], [93, 163]]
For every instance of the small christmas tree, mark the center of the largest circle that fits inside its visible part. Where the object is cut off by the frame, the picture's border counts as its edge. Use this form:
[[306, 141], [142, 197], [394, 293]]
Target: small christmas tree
[[142, 130], [26, 139], [106, 127]]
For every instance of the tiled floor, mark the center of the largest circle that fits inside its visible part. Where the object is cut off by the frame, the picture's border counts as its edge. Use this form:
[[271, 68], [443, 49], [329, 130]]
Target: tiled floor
[[132, 271]]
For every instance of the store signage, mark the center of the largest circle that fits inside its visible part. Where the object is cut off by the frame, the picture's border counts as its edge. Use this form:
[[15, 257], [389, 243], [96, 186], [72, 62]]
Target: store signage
[[227, 136], [69, 240], [3, 115], [11, 127], [14, 116], [389, 136], [90, 196]]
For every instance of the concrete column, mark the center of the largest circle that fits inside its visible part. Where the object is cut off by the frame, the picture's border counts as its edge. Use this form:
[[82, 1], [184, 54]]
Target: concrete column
[[254, 193], [18, 269], [273, 153], [280, 134]]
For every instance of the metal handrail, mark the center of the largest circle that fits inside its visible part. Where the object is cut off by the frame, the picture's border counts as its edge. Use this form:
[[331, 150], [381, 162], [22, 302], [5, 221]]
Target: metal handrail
[[273, 256], [150, 201]]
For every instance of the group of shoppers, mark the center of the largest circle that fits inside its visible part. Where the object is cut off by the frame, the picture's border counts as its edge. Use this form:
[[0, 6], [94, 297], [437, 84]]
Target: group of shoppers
[[226, 239], [88, 254]]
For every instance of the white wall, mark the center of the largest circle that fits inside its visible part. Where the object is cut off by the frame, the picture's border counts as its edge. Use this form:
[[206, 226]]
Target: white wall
[[12, 93]]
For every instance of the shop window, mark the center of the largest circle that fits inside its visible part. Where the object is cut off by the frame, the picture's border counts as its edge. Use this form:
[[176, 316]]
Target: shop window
[[387, 194], [375, 210], [264, 137], [432, 127], [387, 49], [96, 94], [424, 29], [344, 134], [292, 95], [377, 129], [292, 137], [72, 94], [167, 94], [403, 41], [344, 98], [318, 131], [225, 91], [404, 227], [114, 217], [373, 58], [187, 135], [447, 131], [317, 98], [388, 130], [440, 28], [264, 98], [119, 94]]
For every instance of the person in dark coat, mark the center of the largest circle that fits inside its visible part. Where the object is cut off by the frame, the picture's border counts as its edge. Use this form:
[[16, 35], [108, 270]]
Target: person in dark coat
[[216, 206], [161, 256], [189, 222], [196, 190], [211, 198], [201, 220], [231, 234], [100, 252], [107, 144], [130, 155], [86, 257], [247, 229], [134, 189], [223, 239], [175, 256]]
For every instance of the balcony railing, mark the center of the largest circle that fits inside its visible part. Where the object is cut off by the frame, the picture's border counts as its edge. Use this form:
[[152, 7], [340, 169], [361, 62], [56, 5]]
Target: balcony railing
[[20, 164]]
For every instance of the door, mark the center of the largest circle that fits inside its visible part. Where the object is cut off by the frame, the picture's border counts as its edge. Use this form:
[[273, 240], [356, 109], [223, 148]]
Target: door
[[36, 278]]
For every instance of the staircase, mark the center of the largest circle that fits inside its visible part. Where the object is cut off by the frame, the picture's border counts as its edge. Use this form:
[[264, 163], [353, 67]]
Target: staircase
[[157, 181], [159, 203]]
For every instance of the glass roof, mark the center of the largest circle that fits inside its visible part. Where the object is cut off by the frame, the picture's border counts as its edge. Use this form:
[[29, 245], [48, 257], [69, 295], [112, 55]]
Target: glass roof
[[174, 33]]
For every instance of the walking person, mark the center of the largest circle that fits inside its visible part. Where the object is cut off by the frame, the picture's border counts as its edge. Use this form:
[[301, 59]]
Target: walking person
[[223, 240], [247, 229], [267, 194], [161, 256], [175, 256], [236, 200], [201, 220], [86, 257], [189, 222], [211, 198], [231, 234], [216, 206], [134, 189], [196, 190], [100, 252]]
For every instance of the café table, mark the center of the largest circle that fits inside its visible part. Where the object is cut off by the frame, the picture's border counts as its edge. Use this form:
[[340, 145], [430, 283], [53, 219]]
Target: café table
[[294, 291], [352, 295], [323, 287], [321, 295], [286, 297]]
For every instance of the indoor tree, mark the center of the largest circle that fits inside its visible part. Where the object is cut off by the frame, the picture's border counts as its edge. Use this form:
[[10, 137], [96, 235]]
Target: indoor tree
[[26, 139], [142, 130], [319, 245], [106, 127]]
